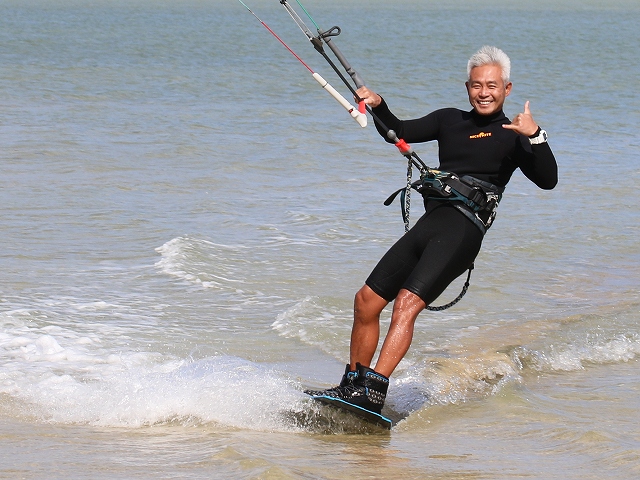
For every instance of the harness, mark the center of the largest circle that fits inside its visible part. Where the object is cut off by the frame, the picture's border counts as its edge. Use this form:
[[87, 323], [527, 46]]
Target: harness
[[474, 198]]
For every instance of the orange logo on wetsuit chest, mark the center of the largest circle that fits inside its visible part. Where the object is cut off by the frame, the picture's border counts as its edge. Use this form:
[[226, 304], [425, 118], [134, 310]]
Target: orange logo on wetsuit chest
[[480, 135]]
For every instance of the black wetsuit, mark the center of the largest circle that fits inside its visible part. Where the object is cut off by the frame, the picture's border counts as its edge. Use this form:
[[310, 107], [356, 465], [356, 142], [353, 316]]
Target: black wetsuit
[[444, 242]]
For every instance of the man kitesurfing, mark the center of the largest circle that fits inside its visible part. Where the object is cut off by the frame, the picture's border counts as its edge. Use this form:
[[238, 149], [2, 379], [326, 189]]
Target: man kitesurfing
[[478, 151], [483, 148]]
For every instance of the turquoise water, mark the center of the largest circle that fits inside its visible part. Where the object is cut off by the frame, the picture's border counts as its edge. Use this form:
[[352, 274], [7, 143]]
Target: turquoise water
[[187, 215]]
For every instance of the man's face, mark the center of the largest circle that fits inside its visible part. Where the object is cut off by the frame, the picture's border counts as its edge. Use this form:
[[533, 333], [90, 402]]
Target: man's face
[[486, 89]]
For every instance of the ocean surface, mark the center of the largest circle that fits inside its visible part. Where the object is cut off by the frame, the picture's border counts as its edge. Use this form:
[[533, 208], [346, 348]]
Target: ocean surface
[[186, 216]]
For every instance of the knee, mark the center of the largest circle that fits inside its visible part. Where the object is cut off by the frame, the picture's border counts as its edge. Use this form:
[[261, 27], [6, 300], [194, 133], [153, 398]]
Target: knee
[[406, 308], [360, 300], [368, 302]]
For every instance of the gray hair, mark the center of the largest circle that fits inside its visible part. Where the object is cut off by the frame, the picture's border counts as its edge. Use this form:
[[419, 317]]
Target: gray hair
[[488, 55]]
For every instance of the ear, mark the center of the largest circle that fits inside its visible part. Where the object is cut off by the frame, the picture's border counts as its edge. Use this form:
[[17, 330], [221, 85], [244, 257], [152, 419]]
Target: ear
[[508, 89]]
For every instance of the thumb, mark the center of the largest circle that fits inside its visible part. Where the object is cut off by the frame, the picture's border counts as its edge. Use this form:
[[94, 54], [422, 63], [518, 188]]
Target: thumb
[[526, 108]]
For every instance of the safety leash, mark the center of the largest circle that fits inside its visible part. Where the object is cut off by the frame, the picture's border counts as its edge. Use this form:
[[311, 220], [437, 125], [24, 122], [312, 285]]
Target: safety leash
[[457, 299]]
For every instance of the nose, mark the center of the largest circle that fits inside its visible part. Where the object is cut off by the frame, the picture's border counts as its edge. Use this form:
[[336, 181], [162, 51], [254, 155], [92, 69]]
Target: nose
[[484, 91]]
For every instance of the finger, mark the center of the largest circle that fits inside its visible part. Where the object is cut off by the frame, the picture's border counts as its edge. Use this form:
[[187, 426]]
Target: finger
[[363, 92], [526, 108], [369, 97]]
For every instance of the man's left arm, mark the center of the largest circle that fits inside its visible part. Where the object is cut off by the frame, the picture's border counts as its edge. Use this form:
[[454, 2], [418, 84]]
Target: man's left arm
[[540, 166]]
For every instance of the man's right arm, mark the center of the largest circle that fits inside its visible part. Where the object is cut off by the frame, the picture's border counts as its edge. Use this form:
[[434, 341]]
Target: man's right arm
[[422, 129]]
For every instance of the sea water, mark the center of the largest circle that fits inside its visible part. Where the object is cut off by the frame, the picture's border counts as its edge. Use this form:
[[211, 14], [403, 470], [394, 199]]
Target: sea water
[[186, 217]]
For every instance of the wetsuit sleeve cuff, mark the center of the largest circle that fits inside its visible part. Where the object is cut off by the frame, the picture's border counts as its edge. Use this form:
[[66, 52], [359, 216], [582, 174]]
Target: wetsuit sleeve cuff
[[382, 108], [537, 133]]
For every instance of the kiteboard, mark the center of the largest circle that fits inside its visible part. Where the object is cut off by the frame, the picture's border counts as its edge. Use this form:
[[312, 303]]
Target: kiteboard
[[363, 413]]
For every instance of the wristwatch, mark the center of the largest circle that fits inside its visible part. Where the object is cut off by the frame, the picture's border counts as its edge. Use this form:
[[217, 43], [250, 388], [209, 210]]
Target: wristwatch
[[539, 137]]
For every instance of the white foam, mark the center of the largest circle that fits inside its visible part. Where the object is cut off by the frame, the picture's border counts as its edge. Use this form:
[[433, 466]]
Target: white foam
[[225, 390], [56, 374], [578, 354]]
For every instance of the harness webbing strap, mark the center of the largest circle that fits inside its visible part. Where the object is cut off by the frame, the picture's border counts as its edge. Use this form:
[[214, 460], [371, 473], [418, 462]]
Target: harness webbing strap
[[470, 195]]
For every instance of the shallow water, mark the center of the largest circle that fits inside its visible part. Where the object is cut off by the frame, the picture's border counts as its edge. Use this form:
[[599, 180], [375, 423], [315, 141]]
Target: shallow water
[[186, 217]]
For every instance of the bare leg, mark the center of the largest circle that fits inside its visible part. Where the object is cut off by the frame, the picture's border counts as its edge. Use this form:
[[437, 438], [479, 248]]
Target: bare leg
[[366, 326], [406, 308]]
